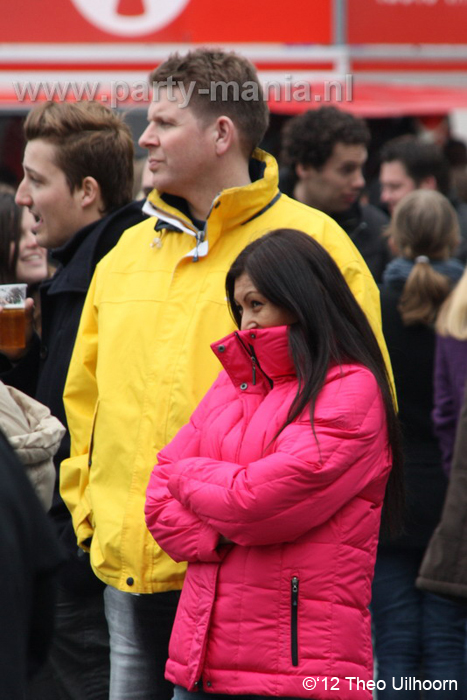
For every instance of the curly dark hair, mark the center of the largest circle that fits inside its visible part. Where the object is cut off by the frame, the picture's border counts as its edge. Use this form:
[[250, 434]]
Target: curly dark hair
[[310, 138]]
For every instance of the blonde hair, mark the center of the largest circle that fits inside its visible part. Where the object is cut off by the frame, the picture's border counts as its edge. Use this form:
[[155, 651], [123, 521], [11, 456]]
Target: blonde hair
[[425, 229], [452, 317]]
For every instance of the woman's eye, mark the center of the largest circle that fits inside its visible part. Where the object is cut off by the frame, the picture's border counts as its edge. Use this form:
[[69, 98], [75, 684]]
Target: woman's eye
[[255, 304]]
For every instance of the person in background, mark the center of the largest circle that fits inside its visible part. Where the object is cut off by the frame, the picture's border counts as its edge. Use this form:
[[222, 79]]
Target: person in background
[[33, 432], [417, 634], [455, 152], [274, 489], [409, 164], [443, 570], [77, 185], [35, 435], [22, 259], [29, 559], [141, 362], [324, 152], [450, 368]]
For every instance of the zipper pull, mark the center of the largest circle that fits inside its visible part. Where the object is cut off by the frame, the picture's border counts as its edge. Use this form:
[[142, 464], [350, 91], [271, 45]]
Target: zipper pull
[[253, 363], [196, 253], [295, 591], [200, 236]]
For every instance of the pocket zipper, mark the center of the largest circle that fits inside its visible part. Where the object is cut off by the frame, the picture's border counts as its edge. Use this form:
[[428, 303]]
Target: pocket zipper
[[294, 620]]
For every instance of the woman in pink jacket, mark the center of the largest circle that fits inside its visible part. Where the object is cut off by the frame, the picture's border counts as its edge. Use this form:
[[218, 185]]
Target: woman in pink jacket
[[273, 491]]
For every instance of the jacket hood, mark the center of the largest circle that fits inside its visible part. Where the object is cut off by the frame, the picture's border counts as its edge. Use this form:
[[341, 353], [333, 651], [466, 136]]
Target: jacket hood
[[257, 357]]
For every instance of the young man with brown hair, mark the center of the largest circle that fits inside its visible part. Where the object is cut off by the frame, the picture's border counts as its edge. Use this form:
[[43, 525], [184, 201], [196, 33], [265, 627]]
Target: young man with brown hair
[[324, 152], [78, 177], [142, 360]]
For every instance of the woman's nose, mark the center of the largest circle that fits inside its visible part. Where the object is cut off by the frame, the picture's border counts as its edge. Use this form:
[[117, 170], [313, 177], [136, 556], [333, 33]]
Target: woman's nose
[[248, 322], [30, 241]]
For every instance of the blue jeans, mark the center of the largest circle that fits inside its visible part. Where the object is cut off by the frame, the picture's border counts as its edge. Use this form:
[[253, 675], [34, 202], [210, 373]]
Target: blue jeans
[[79, 656], [140, 627], [416, 634]]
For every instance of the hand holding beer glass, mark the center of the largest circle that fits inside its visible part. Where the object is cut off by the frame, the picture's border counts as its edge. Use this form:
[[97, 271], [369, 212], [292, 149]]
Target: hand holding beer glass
[[12, 317]]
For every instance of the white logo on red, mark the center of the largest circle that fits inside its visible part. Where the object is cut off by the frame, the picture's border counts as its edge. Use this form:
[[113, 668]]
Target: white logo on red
[[155, 14]]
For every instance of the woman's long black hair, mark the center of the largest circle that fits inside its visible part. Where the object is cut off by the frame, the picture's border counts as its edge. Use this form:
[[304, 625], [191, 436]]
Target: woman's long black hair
[[10, 232], [296, 273]]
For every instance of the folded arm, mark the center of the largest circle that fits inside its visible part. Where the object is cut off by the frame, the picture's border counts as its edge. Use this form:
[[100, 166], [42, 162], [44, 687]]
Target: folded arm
[[298, 487]]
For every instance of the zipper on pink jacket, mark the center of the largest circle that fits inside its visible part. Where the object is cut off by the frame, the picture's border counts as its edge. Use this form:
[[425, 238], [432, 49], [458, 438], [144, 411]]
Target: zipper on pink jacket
[[294, 620], [254, 362]]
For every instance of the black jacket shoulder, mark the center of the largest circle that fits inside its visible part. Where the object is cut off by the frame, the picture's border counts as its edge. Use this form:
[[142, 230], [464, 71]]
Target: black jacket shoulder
[[365, 225]]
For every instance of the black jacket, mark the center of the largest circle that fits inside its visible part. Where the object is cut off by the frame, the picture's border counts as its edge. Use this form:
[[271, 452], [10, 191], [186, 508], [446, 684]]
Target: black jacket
[[365, 225], [29, 557], [412, 350], [42, 372]]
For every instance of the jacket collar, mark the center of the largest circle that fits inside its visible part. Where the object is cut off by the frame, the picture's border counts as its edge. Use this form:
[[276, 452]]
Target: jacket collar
[[398, 270], [256, 358], [231, 208], [79, 256], [350, 219]]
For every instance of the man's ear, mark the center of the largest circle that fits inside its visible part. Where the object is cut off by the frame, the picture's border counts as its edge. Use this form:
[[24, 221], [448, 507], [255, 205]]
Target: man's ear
[[303, 172], [428, 183], [90, 192], [225, 134]]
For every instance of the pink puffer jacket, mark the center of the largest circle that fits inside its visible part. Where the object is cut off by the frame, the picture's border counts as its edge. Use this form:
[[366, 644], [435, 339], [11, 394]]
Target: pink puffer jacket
[[289, 600]]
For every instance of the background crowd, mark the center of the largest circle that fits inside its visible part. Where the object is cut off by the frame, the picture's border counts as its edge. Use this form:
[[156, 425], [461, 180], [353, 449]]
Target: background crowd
[[121, 326]]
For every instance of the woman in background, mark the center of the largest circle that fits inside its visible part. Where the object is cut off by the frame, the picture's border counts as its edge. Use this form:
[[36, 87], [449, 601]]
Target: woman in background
[[21, 259], [450, 368], [33, 433], [417, 634]]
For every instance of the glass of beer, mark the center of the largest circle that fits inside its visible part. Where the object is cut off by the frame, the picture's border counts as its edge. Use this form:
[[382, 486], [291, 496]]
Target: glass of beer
[[13, 316]]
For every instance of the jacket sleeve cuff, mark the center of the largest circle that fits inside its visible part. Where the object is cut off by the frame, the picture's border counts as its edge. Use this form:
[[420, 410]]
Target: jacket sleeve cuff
[[208, 541], [83, 528]]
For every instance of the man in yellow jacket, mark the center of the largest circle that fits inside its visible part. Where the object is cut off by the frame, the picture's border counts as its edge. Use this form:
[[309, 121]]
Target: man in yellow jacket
[[142, 360]]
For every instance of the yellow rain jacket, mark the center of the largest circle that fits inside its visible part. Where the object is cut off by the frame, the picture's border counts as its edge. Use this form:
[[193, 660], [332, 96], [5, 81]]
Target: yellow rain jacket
[[142, 360]]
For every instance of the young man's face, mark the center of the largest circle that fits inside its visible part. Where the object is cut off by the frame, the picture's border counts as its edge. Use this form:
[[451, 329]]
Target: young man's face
[[395, 183], [45, 192], [180, 145], [338, 184]]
